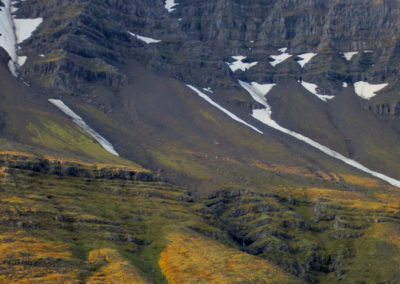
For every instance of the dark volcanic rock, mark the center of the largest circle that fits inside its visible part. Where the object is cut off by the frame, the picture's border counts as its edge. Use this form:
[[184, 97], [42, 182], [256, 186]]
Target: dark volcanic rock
[[63, 168], [89, 43]]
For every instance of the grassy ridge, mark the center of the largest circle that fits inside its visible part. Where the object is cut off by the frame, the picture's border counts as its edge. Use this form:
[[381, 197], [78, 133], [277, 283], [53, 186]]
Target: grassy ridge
[[66, 229], [70, 228]]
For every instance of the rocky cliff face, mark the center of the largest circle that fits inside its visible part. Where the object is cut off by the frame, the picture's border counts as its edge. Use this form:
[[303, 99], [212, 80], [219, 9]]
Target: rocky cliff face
[[89, 42]]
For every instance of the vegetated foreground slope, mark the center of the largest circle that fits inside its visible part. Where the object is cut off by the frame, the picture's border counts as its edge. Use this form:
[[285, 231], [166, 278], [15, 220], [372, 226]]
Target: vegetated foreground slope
[[73, 225]]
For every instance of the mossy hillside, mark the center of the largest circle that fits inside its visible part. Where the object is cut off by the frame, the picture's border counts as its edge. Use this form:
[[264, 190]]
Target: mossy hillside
[[69, 140], [87, 214], [312, 233], [234, 174], [33, 125], [55, 135], [192, 258]]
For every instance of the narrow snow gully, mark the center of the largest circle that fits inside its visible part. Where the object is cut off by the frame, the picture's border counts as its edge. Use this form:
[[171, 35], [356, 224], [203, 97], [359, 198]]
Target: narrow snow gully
[[13, 32], [230, 114], [82, 124], [258, 93], [8, 39]]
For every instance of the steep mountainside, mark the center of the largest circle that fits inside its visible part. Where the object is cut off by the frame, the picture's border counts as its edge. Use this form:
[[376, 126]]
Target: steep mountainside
[[199, 141]]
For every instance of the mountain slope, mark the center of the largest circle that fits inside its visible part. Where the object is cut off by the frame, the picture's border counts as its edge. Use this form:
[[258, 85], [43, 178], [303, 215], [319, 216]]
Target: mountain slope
[[217, 141]]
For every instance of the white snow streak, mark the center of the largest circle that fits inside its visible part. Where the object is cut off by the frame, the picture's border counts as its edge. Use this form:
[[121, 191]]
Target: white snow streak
[[239, 64], [147, 40], [264, 115], [7, 37], [13, 9], [14, 31], [230, 114], [82, 124], [258, 91], [366, 90], [312, 88], [21, 60], [170, 5], [277, 59], [305, 58], [349, 55], [25, 27], [208, 89]]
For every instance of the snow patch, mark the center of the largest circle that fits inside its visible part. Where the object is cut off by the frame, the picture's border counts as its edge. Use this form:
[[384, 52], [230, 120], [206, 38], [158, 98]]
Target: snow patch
[[349, 55], [170, 5], [21, 60], [7, 37], [258, 91], [312, 88], [366, 90], [239, 64], [208, 89], [147, 40], [277, 59], [12, 68], [82, 124], [230, 114], [345, 85], [25, 27], [264, 116], [13, 9], [305, 58]]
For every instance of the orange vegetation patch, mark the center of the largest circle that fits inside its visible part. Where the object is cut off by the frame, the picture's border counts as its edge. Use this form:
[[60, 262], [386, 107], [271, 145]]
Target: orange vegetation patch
[[113, 268], [284, 169], [27, 260], [385, 232], [53, 278], [3, 171], [388, 233], [350, 199], [193, 259], [13, 153], [18, 244], [204, 155], [370, 182], [391, 197], [313, 194], [327, 176]]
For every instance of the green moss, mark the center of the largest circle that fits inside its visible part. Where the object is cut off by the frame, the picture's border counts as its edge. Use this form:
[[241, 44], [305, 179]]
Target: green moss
[[209, 117], [70, 140], [183, 164], [132, 217]]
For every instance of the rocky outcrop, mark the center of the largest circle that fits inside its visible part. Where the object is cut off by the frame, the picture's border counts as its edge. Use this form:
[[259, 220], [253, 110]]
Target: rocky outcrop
[[272, 227], [67, 168], [263, 225]]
